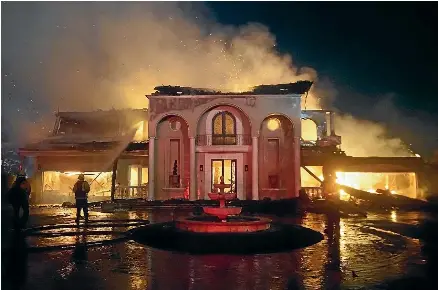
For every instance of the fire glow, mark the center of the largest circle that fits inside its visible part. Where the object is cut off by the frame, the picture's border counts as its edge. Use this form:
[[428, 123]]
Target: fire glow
[[396, 183], [58, 186]]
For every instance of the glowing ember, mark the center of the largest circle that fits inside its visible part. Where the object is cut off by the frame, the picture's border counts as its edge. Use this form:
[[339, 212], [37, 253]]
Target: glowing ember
[[343, 195]]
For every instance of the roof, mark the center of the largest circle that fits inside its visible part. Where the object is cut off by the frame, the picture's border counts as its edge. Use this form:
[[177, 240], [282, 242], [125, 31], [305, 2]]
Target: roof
[[84, 147], [97, 125], [103, 115], [298, 88], [97, 130], [63, 140]]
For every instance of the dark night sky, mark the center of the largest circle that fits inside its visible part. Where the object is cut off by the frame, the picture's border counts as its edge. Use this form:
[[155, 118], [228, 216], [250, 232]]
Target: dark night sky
[[373, 47], [366, 49]]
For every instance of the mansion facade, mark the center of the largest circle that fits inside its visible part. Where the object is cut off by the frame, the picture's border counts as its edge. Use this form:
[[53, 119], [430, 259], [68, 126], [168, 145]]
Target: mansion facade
[[187, 141], [251, 140]]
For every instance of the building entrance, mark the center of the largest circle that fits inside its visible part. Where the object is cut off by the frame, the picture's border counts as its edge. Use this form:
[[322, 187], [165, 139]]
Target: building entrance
[[226, 168]]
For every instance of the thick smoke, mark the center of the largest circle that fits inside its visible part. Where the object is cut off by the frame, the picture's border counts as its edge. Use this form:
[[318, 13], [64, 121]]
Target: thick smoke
[[381, 134], [365, 138], [88, 56]]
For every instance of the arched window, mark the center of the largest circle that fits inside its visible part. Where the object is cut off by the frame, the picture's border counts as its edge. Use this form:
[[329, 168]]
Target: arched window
[[224, 129]]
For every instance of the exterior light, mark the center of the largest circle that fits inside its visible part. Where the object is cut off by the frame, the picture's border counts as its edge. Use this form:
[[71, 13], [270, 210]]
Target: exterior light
[[273, 124], [201, 167]]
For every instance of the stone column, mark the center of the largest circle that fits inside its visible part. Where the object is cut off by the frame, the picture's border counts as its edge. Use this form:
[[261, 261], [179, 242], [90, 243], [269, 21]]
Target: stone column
[[329, 186], [255, 168], [151, 167], [296, 166], [332, 123], [192, 168]]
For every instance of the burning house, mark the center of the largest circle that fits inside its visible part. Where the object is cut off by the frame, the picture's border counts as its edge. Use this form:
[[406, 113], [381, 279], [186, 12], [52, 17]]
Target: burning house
[[259, 143], [89, 143]]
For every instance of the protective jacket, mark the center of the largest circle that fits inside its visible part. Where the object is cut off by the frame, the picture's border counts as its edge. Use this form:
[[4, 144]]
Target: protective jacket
[[81, 189]]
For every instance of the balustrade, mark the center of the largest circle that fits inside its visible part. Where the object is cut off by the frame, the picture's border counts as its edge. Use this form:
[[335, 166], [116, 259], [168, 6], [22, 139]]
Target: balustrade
[[208, 140]]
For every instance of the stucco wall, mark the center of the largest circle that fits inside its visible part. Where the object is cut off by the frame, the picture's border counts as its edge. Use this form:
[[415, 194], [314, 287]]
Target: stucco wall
[[286, 159], [250, 112], [193, 108], [164, 164]]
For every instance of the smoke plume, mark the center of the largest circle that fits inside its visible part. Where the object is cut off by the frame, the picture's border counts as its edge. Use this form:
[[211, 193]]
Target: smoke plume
[[365, 138], [101, 55]]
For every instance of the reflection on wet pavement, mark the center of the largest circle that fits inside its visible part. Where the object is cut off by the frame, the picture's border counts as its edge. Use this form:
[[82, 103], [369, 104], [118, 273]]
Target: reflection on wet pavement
[[355, 254]]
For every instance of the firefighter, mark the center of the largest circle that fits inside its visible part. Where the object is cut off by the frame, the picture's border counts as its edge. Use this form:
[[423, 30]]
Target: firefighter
[[18, 197], [81, 190]]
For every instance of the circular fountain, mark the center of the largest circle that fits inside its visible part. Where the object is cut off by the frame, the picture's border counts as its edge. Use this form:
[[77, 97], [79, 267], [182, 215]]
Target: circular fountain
[[222, 219], [223, 230]]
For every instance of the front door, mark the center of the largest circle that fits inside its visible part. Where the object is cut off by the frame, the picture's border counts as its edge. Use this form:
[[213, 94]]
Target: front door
[[227, 169]]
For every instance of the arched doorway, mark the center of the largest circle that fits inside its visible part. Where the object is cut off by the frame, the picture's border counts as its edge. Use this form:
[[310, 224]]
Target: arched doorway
[[223, 143], [278, 156], [172, 158]]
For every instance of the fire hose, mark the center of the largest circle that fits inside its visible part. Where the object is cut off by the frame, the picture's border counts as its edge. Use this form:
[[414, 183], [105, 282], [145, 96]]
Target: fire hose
[[43, 231]]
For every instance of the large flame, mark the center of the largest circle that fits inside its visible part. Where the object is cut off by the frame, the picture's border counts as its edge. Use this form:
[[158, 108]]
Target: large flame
[[395, 183]]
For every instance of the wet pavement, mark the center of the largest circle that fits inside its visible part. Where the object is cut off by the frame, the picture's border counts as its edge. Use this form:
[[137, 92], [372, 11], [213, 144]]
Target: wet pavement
[[377, 252]]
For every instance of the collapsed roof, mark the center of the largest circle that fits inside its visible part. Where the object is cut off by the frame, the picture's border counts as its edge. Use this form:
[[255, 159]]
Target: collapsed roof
[[130, 115], [299, 88], [95, 130], [99, 124]]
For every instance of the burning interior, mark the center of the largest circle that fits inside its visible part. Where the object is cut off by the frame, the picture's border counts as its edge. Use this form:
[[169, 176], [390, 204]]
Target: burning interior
[[402, 183], [58, 186], [90, 143]]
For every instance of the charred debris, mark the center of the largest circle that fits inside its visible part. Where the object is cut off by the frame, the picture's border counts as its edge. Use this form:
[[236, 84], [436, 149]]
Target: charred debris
[[299, 88]]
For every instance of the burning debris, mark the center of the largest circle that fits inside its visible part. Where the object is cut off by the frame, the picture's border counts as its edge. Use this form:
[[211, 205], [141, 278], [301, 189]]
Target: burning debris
[[383, 199], [178, 91], [402, 183], [300, 87]]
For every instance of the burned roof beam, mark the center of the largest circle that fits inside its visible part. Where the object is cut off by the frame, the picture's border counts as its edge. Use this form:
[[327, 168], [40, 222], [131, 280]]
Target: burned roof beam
[[300, 87]]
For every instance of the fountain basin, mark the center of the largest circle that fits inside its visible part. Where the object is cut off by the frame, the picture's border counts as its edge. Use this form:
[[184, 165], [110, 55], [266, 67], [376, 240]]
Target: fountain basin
[[227, 225], [278, 238], [222, 212]]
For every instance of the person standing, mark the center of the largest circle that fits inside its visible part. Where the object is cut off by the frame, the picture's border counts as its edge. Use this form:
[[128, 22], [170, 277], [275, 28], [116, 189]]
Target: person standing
[[18, 197], [81, 190]]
